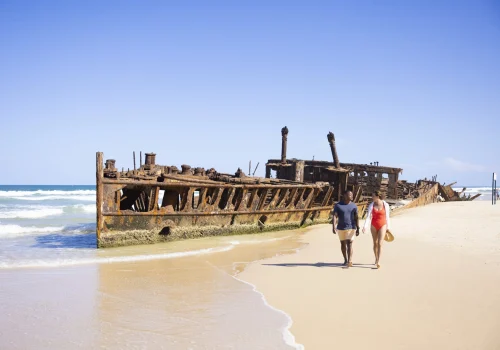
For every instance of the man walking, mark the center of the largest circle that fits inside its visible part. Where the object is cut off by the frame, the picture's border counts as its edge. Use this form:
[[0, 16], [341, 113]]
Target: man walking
[[346, 224]]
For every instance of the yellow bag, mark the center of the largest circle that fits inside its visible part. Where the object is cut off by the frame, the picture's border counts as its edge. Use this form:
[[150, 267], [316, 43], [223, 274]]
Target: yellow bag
[[388, 236]]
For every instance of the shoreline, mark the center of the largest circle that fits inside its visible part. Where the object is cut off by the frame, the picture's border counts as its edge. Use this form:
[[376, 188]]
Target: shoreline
[[125, 294], [288, 336], [448, 265]]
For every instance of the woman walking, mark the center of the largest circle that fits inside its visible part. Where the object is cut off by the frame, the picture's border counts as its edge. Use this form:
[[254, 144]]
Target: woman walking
[[379, 221]]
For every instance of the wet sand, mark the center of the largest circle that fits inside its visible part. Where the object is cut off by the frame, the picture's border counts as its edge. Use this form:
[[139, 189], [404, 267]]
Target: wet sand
[[179, 303], [438, 287]]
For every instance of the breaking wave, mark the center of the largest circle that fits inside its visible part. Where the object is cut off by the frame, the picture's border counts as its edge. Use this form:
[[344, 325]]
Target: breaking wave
[[86, 198], [30, 213], [16, 230], [80, 208], [41, 195], [37, 212], [13, 194], [12, 230], [80, 228], [473, 189]]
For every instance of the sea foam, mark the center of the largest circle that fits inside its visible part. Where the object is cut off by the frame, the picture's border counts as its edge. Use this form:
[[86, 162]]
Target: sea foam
[[30, 213], [108, 260], [80, 208], [9, 230], [47, 193], [85, 198], [37, 212], [472, 189], [41, 195]]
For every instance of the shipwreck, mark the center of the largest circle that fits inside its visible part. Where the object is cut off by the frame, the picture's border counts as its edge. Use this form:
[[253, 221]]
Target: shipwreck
[[156, 203]]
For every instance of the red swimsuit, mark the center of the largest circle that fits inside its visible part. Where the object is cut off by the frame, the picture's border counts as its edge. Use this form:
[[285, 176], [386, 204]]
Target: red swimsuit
[[378, 218]]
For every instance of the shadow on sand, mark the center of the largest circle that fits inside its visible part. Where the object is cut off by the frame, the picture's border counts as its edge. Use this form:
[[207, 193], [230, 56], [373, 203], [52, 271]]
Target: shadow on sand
[[320, 264]]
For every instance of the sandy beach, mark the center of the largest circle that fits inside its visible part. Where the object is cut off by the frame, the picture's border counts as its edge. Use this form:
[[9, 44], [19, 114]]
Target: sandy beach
[[153, 297], [438, 287]]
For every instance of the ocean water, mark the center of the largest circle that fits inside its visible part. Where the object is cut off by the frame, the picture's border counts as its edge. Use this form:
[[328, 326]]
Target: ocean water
[[46, 224], [485, 191], [178, 295]]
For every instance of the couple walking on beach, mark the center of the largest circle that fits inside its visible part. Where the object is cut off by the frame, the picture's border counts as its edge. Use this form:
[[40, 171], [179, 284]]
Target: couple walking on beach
[[346, 224]]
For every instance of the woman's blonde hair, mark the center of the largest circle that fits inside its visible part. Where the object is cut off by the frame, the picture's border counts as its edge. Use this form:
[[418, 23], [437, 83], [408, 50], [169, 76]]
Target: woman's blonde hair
[[378, 194]]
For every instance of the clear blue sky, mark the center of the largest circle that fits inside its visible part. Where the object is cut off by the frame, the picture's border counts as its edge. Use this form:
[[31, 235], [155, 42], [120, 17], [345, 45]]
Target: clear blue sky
[[412, 84]]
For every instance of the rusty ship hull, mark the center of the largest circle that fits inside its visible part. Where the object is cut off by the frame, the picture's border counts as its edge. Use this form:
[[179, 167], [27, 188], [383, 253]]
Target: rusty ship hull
[[154, 203], [157, 204]]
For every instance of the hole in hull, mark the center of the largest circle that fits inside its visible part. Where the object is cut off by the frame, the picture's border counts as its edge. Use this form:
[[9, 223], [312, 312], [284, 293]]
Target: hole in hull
[[262, 221], [165, 231]]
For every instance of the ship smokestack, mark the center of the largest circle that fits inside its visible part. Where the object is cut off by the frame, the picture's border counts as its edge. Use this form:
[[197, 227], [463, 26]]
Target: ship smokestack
[[284, 138], [110, 164], [150, 159], [331, 140]]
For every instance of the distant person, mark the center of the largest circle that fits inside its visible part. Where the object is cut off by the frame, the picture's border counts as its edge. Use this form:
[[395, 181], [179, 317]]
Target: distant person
[[379, 222], [497, 194], [346, 225]]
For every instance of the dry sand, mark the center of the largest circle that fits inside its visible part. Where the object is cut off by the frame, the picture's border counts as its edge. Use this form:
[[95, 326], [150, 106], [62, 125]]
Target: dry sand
[[438, 287]]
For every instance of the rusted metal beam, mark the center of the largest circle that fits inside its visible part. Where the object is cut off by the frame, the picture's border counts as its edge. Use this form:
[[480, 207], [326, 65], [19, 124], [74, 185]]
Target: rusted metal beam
[[218, 197], [474, 197], [328, 195], [187, 199], [229, 204], [252, 198], [372, 168], [358, 192], [262, 198], [274, 199], [255, 169], [241, 202], [208, 184], [274, 211], [99, 193], [156, 198], [292, 198], [312, 196], [283, 198], [202, 199], [300, 200], [234, 181], [118, 198]]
